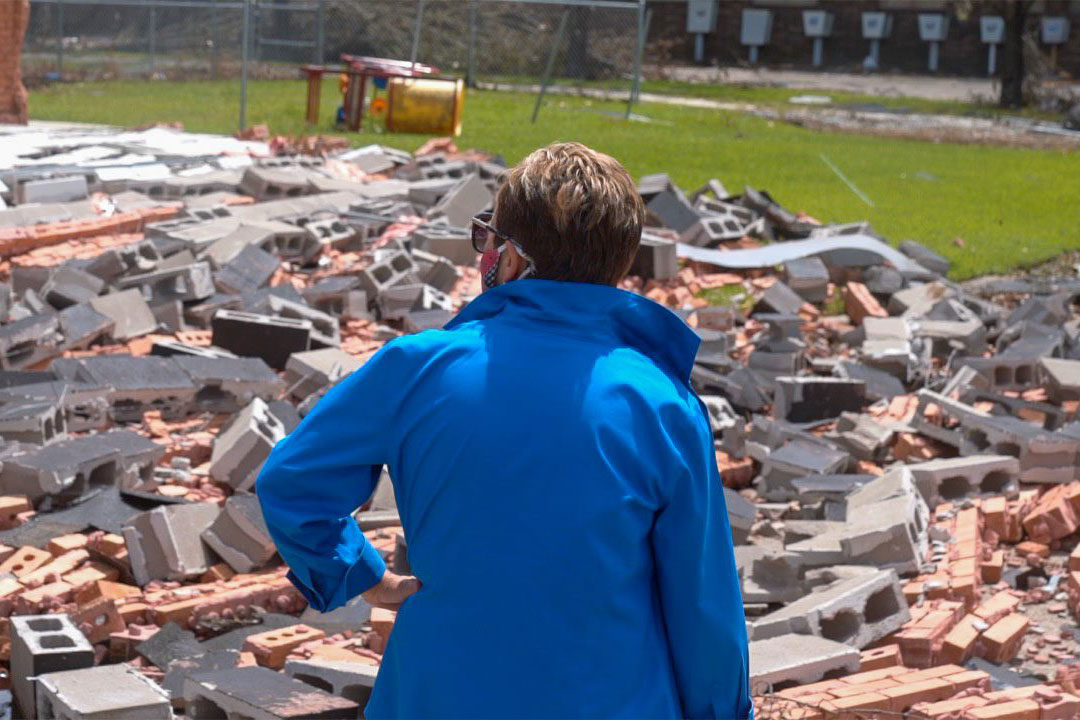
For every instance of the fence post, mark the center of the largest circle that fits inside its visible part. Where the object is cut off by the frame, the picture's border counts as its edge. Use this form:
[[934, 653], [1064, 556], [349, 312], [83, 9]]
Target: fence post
[[636, 85], [320, 30], [245, 41], [215, 19], [60, 38], [153, 36], [550, 62], [470, 64], [416, 30]]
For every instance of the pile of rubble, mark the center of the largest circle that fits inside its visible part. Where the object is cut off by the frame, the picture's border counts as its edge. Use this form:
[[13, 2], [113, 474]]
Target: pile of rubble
[[898, 451]]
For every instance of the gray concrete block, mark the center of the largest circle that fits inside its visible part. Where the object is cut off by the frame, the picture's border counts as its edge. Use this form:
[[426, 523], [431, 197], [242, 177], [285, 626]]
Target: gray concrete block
[[1060, 377], [137, 384], [808, 277], [52, 190], [265, 183], [925, 257], [82, 325], [673, 211], [239, 534], [309, 372], [856, 611], [952, 479], [241, 449], [43, 644], [795, 459], [325, 330], [396, 269], [62, 471], [273, 339], [350, 680], [227, 384], [187, 283], [259, 693], [250, 270], [741, 514], [33, 421], [129, 312], [452, 243], [787, 660], [108, 692], [165, 543], [656, 258], [808, 399], [29, 341]]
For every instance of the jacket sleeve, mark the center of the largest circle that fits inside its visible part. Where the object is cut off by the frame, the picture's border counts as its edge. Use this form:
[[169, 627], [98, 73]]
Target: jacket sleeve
[[699, 584], [322, 472]]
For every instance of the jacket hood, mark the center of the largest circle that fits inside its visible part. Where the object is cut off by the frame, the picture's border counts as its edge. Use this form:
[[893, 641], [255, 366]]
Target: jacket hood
[[629, 320]]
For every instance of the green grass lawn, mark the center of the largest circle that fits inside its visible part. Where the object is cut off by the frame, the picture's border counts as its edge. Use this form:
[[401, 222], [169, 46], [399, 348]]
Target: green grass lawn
[[1010, 206]]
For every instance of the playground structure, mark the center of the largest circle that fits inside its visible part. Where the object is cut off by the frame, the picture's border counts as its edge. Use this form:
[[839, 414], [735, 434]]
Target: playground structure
[[418, 99]]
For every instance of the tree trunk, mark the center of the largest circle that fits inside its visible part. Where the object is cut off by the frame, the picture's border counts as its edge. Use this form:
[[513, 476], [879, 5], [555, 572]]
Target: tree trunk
[[1012, 55]]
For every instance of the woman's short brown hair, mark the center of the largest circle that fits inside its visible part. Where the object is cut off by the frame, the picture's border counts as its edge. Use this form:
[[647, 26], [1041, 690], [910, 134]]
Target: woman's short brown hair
[[575, 211]]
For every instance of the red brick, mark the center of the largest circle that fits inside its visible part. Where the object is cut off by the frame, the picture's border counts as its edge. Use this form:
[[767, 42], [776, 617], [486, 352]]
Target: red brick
[[1015, 710], [846, 708], [272, 647], [882, 657], [902, 697], [10, 508], [24, 561], [951, 708], [959, 643], [1002, 640], [860, 303]]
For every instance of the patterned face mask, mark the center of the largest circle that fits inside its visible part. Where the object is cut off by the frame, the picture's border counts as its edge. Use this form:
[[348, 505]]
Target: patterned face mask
[[489, 265]]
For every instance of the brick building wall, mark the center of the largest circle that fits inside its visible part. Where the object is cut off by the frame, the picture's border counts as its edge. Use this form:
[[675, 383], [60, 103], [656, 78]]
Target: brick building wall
[[961, 54], [14, 15]]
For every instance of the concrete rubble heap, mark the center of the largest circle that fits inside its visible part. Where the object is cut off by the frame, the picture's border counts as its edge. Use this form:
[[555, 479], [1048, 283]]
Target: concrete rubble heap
[[899, 451]]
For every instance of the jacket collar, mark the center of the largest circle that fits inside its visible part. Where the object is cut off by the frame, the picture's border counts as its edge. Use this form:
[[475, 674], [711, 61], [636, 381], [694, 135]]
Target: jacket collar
[[599, 311]]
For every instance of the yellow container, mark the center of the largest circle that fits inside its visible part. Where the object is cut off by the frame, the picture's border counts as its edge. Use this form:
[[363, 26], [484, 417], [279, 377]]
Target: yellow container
[[429, 106]]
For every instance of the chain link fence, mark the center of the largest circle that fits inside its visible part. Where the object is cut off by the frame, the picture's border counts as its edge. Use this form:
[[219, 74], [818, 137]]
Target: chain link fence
[[522, 43]]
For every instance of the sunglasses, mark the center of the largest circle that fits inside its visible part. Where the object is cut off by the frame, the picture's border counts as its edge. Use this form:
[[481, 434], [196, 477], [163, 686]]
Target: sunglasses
[[481, 226]]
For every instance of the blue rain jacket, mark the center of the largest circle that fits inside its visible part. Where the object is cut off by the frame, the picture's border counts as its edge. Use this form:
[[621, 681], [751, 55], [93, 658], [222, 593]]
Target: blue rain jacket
[[557, 484]]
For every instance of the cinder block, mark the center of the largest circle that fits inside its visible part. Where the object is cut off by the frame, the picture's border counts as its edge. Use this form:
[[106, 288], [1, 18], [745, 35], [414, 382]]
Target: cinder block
[[396, 269], [311, 371], [856, 611], [43, 644], [186, 283], [808, 277], [29, 341], [806, 399], [242, 448], [129, 312], [469, 197], [165, 543], [250, 270], [227, 384], [656, 258], [265, 183], [798, 659], [273, 339], [239, 534], [452, 243], [260, 694], [108, 692], [951, 479], [136, 384], [51, 190], [350, 680]]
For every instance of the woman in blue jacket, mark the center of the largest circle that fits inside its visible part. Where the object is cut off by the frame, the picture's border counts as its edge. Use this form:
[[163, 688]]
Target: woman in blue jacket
[[555, 477]]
